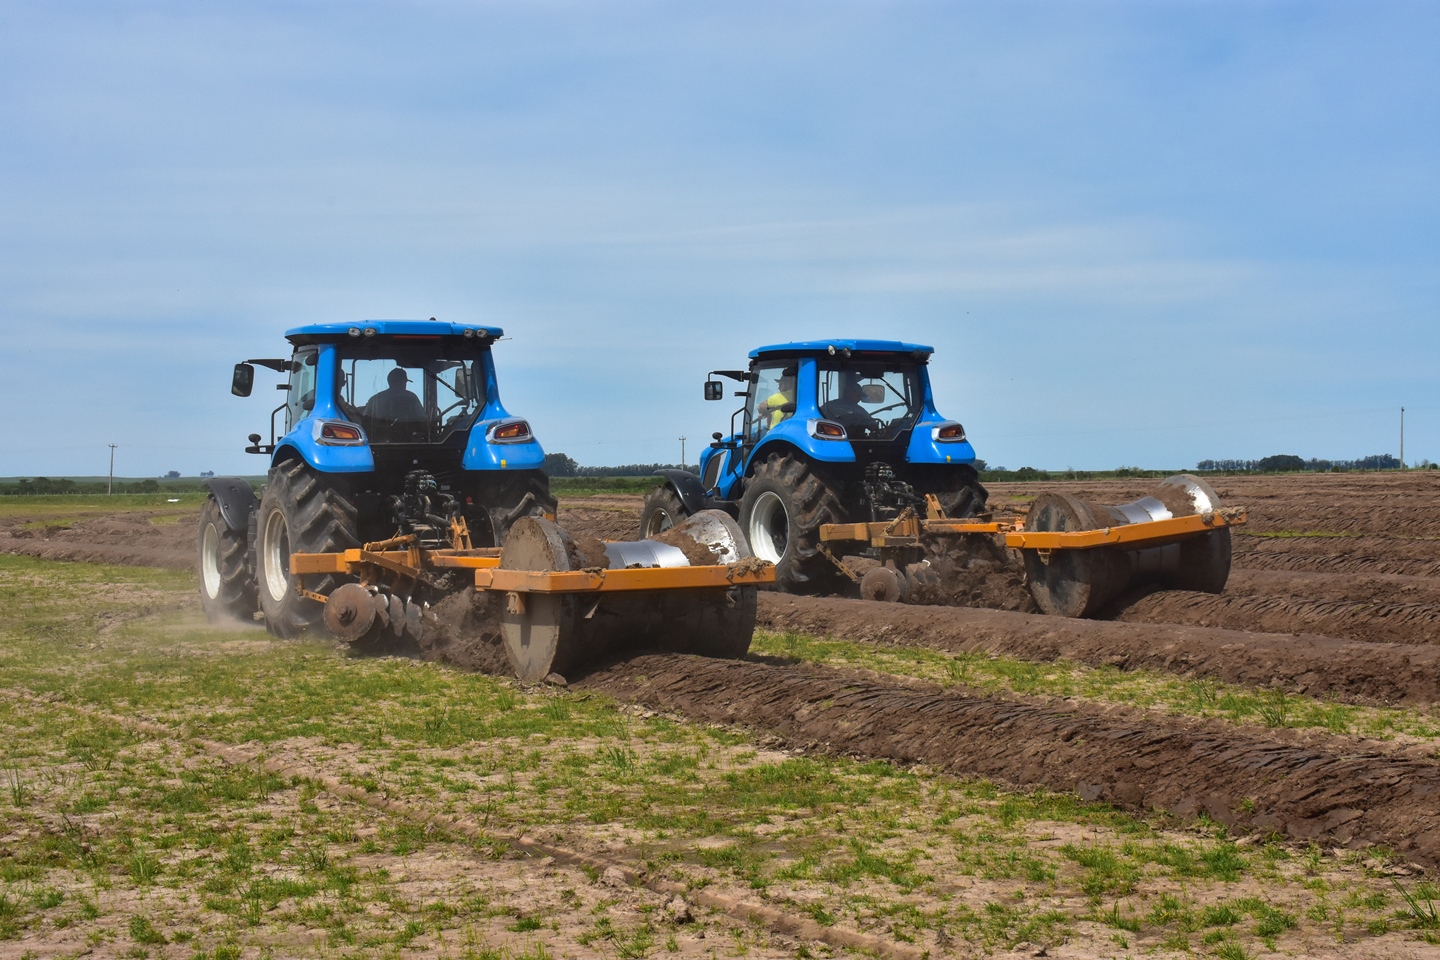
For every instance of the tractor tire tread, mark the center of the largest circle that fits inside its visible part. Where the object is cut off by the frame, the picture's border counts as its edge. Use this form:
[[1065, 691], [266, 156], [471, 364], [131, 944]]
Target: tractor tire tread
[[320, 519], [816, 504], [237, 597]]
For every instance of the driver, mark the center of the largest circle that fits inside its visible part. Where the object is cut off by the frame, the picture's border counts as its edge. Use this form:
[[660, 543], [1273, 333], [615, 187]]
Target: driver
[[780, 404], [395, 402], [846, 409]]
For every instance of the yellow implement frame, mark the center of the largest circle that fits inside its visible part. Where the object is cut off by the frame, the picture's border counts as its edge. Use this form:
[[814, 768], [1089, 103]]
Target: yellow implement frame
[[418, 564], [907, 529], [607, 581]]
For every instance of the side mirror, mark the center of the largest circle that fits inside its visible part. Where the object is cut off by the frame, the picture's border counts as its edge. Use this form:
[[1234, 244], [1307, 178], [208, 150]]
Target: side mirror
[[714, 390], [462, 383], [243, 381], [872, 393]]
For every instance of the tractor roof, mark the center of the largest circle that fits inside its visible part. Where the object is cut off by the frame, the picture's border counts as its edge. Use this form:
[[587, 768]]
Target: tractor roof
[[807, 347], [322, 332]]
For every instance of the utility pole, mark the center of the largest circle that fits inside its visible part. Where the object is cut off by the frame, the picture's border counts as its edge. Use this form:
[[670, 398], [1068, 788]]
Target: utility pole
[[110, 484], [682, 452], [1402, 438]]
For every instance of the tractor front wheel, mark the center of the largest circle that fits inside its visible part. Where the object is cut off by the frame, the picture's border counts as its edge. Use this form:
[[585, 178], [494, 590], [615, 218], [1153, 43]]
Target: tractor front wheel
[[300, 512], [662, 511], [781, 513], [227, 591]]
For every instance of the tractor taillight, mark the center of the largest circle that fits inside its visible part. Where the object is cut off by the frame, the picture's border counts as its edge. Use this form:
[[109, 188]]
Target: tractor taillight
[[827, 430], [949, 432], [334, 431], [511, 431], [338, 433]]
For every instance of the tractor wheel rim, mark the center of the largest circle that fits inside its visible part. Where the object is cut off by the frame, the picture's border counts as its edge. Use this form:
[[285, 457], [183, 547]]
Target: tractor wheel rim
[[277, 556], [210, 561], [766, 541], [660, 521]]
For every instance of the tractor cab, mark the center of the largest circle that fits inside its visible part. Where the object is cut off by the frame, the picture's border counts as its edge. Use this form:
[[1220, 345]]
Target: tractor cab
[[377, 413], [842, 429]]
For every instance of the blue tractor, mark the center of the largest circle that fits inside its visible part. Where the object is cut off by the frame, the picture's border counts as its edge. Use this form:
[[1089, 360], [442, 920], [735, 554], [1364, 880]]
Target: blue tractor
[[392, 428], [831, 431]]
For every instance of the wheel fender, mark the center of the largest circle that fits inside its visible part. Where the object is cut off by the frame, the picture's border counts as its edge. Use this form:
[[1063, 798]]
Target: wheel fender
[[688, 487], [236, 500]]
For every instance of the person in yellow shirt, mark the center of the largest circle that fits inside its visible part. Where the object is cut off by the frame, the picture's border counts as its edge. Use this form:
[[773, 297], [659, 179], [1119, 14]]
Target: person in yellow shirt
[[781, 403]]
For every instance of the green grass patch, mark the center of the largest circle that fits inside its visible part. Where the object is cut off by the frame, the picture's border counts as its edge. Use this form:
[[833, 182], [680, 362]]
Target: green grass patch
[[149, 841]]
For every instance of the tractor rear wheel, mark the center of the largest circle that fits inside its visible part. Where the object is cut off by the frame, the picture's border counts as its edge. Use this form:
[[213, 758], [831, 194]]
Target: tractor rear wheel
[[300, 512], [781, 513], [227, 591], [662, 511], [501, 498], [956, 487]]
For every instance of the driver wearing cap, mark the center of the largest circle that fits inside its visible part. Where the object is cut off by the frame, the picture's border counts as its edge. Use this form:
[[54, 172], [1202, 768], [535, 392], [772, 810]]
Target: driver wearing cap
[[395, 402]]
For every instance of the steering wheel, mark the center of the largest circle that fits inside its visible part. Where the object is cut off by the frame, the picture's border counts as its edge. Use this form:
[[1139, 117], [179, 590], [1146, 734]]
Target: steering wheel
[[458, 403], [875, 413]]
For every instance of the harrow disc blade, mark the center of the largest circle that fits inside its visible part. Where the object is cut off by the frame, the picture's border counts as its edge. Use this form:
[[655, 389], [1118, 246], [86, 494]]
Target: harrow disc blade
[[547, 633], [350, 612]]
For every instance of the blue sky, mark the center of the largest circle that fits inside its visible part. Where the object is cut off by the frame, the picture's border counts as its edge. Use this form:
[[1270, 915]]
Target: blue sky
[[1136, 233]]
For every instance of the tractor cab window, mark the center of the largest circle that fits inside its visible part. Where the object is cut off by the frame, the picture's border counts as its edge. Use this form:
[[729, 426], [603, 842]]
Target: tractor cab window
[[409, 394], [300, 399], [771, 399], [872, 401]]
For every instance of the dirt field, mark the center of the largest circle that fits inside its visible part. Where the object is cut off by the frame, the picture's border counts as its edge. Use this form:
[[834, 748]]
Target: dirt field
[[1293, 715]]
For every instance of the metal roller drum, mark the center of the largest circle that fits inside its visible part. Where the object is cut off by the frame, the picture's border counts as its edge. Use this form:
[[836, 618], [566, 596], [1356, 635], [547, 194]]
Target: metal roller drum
[[1079, 583], [549, 633]]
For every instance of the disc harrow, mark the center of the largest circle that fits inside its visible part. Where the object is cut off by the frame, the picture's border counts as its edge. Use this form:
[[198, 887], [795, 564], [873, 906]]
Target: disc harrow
[[1077, 555], [567, 602]]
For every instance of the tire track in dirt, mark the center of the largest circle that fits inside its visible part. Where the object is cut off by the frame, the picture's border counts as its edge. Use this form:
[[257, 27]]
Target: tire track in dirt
[[1338, 564], [1331, 792], [1387, 548], [1305, 663], [1369, 621], [1354, 586]]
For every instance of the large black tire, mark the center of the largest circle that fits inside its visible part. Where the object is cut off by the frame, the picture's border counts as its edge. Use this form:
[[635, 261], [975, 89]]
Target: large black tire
[[663, 510], [227, 590], [301, 511], [501, 498], [957, 487], [781, 513]]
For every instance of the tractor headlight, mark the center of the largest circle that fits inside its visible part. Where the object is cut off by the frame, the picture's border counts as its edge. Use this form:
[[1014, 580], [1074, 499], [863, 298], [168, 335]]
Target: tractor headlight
[[509, 431], [948, 432], [826, 430], [338, 433]]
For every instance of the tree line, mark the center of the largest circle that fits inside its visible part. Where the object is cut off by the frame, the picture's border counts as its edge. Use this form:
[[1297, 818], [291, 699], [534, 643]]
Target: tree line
[[559, 465], [1289, 463], [46, 486]]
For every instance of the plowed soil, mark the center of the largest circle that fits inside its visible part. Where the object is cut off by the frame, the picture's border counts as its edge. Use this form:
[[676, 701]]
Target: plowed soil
[[1335, 789], [132, 539], [1332, 594]]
